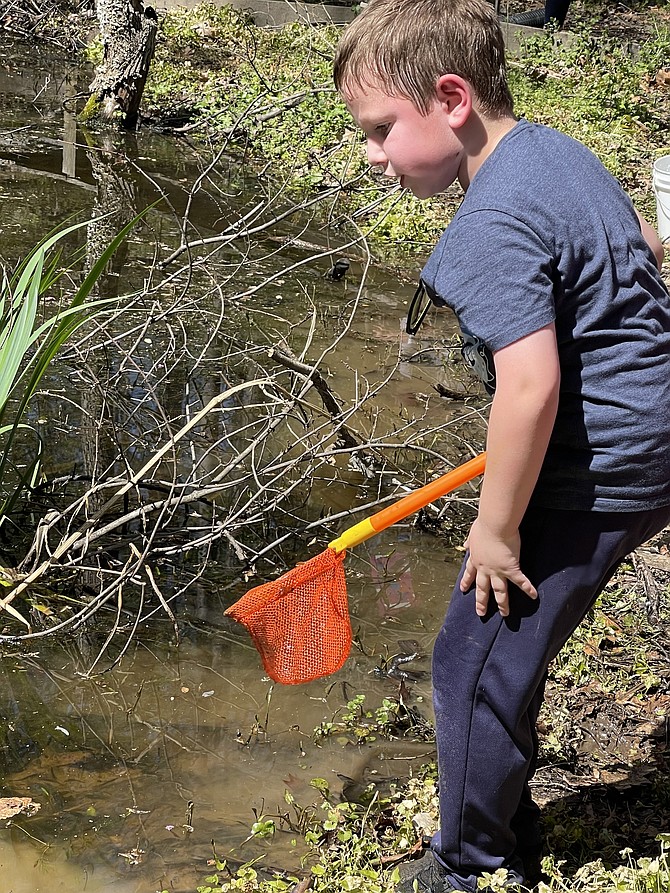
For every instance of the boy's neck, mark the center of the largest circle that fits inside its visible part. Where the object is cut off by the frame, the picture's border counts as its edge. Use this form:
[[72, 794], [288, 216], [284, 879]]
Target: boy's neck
[[480, 136]]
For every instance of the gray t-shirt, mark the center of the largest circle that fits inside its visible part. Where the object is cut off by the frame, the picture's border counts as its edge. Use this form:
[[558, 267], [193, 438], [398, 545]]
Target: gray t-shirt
[[545, 234]]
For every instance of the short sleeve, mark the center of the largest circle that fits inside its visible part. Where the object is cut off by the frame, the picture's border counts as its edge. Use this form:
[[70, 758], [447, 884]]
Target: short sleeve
[[495, 272]]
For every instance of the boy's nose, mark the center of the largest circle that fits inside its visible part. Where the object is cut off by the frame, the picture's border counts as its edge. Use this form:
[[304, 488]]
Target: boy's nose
[[376, 155]]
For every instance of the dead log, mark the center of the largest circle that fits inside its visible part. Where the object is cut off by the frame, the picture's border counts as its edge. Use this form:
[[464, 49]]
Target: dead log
[[128, 31]]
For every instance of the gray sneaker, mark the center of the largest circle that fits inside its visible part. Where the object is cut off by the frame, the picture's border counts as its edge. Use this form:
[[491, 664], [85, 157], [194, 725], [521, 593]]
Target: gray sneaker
[[428, 875], [424, 875]]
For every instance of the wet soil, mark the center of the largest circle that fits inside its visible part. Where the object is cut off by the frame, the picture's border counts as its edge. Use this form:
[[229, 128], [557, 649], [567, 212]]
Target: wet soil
[[604, 776]]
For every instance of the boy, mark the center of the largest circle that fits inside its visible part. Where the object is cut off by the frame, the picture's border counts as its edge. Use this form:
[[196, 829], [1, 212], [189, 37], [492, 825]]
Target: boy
[[555, 282]]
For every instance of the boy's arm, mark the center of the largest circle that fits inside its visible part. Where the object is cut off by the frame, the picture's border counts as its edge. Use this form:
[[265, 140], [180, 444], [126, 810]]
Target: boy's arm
[[520, 425], [651, 237]]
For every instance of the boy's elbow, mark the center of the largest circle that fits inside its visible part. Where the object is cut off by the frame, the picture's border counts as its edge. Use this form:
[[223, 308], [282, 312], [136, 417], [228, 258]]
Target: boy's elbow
[[659, 254], [543, 393], [531, 396], [651, 238], [656, 247], [530, 369]]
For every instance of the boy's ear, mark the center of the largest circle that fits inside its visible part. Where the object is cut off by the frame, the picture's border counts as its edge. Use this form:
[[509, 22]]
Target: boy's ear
[[454, 93]]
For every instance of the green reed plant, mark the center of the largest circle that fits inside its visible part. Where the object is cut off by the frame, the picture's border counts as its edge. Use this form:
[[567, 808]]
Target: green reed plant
[[28, 345]]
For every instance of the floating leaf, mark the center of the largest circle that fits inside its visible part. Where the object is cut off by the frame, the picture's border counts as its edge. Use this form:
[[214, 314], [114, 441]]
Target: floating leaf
[[11, 806]]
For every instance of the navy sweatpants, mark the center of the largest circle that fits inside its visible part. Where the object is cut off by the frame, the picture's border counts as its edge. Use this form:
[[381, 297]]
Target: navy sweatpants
[[488, 683]]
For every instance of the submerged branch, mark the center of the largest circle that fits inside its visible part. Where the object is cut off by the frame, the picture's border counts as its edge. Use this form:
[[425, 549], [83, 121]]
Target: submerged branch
[[87, 534], [310, 373]]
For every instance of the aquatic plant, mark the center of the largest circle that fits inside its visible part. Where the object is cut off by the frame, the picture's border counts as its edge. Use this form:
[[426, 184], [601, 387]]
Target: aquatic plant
[[350, 849], [28, 345], [348, 854]]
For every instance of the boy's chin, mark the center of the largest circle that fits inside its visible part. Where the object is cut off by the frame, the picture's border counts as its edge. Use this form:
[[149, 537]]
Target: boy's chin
[[422, 192], [427, 187]]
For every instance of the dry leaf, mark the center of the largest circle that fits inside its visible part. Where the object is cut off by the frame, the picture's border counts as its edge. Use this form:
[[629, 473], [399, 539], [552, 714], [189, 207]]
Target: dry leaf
[[11, 806]]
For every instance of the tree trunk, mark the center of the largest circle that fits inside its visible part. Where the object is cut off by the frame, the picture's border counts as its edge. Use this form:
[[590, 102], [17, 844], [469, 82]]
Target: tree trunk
[[128, 31]]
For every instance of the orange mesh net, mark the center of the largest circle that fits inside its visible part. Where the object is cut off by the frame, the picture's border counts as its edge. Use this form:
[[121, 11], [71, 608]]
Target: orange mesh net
[[300, 622]]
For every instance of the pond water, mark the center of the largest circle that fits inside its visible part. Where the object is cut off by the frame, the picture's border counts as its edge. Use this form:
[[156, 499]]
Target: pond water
[[139, 765]]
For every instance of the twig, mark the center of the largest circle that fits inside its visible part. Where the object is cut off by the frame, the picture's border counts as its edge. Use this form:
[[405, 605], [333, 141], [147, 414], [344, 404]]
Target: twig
[[80, 535], [310, 373]]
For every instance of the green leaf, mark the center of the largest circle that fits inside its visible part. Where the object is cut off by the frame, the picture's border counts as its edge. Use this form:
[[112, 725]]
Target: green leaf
[[27, 348]]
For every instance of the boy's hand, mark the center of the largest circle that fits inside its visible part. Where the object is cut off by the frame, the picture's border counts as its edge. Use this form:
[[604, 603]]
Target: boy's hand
[[493, 560], [521, 420]]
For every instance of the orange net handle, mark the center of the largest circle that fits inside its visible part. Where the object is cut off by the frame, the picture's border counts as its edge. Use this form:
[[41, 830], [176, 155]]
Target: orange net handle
[[409, 504]]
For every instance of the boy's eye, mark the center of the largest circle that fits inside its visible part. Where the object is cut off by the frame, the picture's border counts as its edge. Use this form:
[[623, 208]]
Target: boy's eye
[[382, 129]]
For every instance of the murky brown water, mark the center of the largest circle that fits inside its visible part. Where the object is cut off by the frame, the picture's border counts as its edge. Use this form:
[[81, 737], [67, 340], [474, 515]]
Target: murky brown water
[[138, 769]]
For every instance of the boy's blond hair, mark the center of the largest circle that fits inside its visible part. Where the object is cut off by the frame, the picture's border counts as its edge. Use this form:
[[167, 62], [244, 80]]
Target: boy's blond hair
[[404, 46]]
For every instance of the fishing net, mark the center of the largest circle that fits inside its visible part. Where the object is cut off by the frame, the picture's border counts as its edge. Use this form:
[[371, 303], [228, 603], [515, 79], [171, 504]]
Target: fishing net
[[300, 622]]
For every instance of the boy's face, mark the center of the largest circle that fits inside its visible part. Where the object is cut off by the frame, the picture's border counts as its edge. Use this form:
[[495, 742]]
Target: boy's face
[[421, 150]]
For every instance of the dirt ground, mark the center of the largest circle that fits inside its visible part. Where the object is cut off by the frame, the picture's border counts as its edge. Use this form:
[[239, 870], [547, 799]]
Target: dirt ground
[[630, 23]]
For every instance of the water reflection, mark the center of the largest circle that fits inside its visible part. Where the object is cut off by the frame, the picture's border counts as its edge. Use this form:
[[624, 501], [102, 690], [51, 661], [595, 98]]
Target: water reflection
[[69, 167], [122, 763], [137, 769]]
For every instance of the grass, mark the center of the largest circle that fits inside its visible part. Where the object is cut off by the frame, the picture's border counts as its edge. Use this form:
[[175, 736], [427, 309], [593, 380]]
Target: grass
[[31, 337], [267, 94], [28, 344]]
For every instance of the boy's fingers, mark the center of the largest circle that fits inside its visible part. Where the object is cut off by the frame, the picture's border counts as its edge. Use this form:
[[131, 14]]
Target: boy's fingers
[[468, 577], [482, 594], [487, 584], [499, 587], [524, 584]]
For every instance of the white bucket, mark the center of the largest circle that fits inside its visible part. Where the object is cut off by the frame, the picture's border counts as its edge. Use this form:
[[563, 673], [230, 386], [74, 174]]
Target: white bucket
[[661, 184]]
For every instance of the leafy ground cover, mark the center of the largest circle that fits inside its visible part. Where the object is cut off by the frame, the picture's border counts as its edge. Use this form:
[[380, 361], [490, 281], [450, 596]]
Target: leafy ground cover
[[603, 781], [268, 94]]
